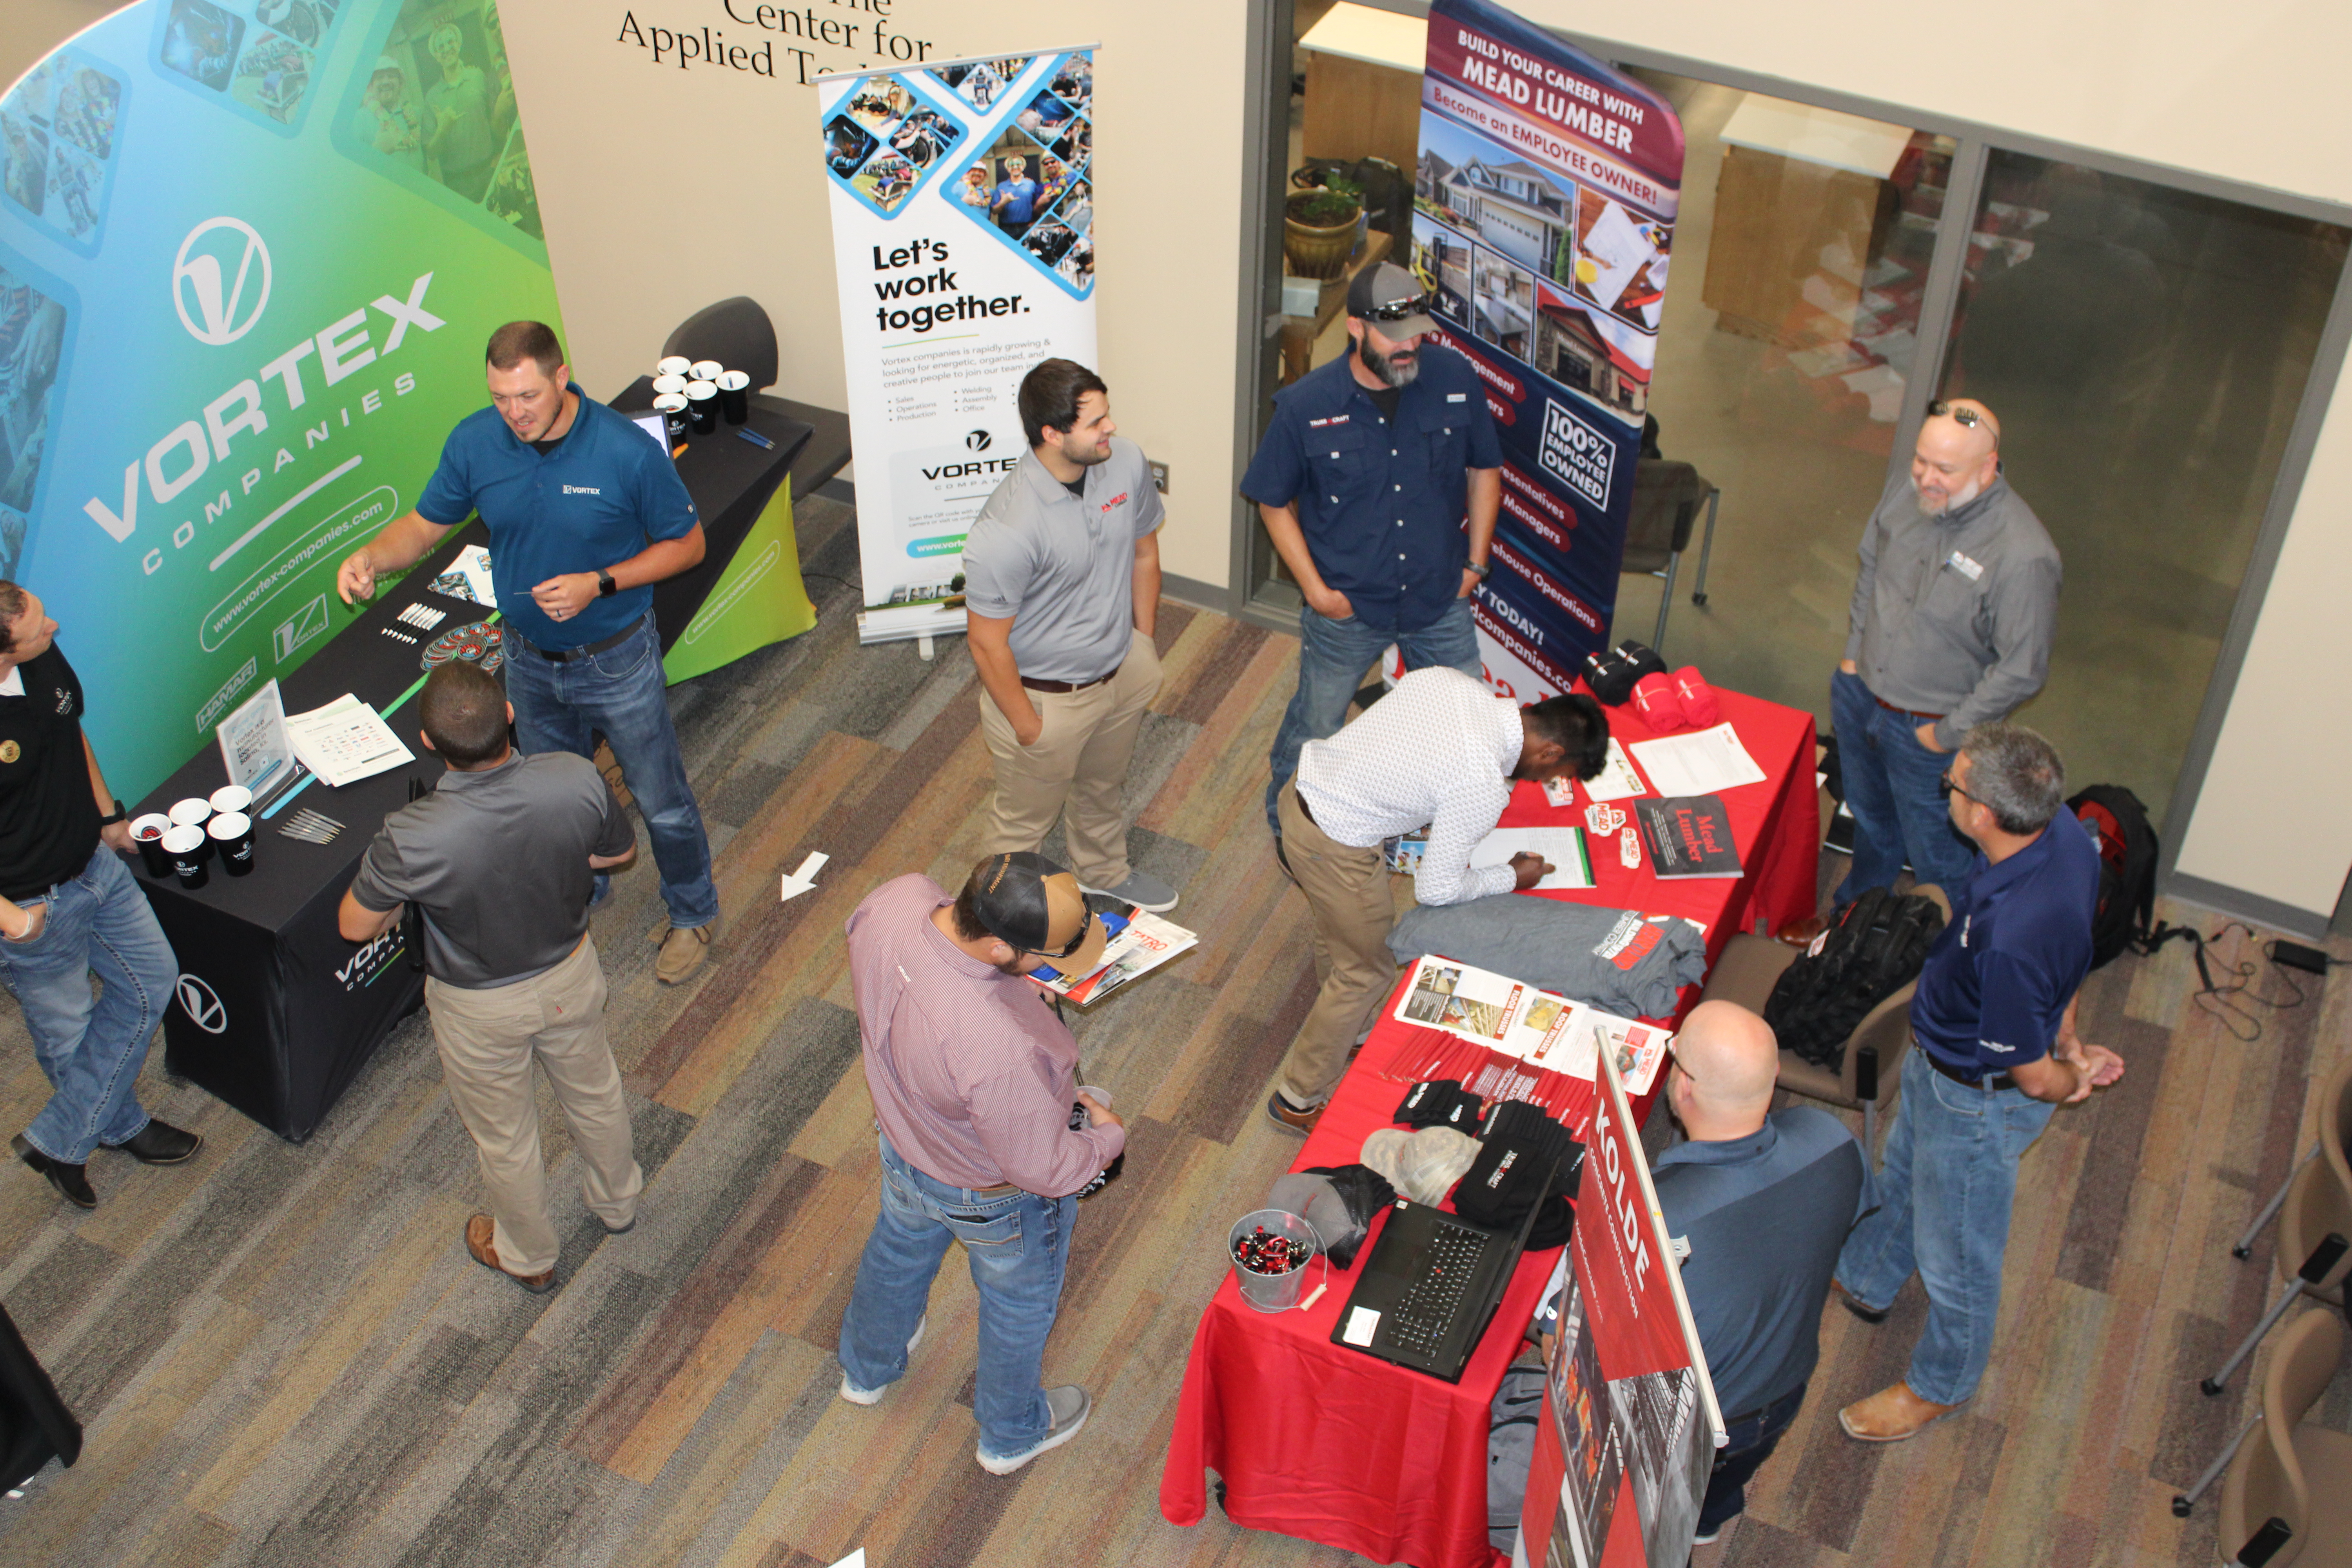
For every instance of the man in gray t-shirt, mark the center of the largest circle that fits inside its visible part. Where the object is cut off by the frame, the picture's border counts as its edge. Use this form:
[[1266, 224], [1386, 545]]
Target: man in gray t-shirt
[[1062, 591], [501, 859]]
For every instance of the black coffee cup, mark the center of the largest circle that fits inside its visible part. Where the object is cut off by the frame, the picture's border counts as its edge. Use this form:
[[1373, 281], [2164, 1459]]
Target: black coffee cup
[[672, 408], [702, 406], [147, 832], [734, 398], [189, 849], [232, 835]]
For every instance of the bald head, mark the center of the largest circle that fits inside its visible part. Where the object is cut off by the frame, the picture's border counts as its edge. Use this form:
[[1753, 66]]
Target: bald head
[[1957, 456], [1730, 1062]]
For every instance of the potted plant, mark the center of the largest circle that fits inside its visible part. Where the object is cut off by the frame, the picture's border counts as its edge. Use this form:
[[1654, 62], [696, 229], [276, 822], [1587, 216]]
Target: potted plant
[[1322, 222]]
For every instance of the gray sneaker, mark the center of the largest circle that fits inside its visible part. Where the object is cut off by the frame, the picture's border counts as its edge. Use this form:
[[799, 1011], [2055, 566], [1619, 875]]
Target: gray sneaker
[[1068, 1407], [856, 1395], [1144, 891]]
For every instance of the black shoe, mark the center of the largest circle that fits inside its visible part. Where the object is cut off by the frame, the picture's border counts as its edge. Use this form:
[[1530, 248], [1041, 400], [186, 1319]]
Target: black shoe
[[1867, 1314], [159, 1143], [72, 1182]]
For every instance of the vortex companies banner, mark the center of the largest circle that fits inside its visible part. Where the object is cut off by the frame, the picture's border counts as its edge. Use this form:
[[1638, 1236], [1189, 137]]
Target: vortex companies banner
[[249, 253], [963, 240], [1544, 206]]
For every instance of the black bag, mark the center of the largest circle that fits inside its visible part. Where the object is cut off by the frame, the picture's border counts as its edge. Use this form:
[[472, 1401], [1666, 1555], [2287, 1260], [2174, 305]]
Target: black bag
[[2127, 855], [1877, 946], [1511, 1451]]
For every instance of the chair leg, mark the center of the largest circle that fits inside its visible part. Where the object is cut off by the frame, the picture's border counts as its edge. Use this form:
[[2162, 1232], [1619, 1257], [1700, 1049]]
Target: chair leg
[[2245, 1244], [1666, 599], [2183, 1501], [1706, 549], [2212, 1385]]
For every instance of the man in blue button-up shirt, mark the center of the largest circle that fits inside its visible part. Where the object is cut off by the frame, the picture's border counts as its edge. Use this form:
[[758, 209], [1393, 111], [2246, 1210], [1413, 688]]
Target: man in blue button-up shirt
[[585, 515], [1378, 481]]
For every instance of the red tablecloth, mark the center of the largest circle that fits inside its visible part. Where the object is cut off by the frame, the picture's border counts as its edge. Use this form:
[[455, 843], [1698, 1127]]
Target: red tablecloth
[[1319, 1441]]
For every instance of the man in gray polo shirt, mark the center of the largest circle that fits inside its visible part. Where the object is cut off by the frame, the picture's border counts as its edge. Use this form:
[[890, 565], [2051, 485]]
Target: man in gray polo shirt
[[501, 858], [1062, 590]]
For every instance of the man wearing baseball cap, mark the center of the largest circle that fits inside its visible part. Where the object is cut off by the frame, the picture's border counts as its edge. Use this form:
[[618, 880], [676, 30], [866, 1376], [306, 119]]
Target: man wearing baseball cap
[[1378, 481], [973, 1078]]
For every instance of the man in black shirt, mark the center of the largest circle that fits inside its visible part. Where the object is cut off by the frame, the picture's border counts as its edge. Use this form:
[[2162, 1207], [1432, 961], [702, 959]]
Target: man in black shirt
[[69, 907]]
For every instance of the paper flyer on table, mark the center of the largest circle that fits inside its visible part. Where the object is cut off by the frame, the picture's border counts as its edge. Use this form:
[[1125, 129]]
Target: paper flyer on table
[[1638, 1049], [346, 741], [1616, 780], [1699, 762], [1492, 1010], [1563, 847]]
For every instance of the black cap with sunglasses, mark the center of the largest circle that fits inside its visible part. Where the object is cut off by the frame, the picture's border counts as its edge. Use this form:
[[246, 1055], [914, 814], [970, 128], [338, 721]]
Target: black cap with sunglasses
[[1392, 300], [1034, 907]]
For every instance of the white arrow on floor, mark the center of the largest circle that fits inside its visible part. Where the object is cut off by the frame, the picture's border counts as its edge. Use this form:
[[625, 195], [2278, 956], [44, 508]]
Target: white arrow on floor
[[805, 880]]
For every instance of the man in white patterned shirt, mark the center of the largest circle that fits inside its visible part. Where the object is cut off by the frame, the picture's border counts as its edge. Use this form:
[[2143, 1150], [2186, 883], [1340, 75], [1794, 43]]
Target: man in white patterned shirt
[[1439, 749]]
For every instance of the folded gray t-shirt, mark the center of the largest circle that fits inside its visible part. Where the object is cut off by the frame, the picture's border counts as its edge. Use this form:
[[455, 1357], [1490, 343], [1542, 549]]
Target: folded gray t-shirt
[[1617, 960]]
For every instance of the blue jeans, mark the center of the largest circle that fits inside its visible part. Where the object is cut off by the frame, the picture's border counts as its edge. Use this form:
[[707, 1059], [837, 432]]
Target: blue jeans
[[1946, 1187], [1018, 1245], [1891, 786], [1332, 658], [1753, 1438], [619, 691], [91, 1051]]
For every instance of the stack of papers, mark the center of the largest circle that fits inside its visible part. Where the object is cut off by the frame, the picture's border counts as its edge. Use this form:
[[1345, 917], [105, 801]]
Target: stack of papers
[[1137, 946], [1699, 762], [1562, 846], [345, 741], [1616, 780], [1540, 1027]]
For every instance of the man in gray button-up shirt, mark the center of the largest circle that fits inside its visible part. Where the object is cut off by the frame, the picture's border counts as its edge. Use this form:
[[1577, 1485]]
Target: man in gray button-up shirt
[[1952, 617]]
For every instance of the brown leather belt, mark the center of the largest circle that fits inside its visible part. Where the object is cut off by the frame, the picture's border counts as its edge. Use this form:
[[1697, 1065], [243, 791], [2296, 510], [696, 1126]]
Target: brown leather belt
[[1906, 712], [1059, 687], [998, 1191], [1990, 1084]]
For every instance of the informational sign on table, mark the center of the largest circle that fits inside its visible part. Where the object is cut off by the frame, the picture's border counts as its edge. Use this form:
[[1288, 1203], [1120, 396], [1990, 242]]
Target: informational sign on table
[[963, 243], [1544, 209], [1629, 1424], [249, 253]]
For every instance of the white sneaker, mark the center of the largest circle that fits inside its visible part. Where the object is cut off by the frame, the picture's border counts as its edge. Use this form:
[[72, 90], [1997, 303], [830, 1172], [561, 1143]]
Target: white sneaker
[[856, 1395], [1068, 1407]]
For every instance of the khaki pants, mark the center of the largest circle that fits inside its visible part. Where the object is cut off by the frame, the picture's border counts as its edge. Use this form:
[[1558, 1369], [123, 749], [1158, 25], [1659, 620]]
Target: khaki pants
[[1347, 890], [488, 1040], [1079, 761]]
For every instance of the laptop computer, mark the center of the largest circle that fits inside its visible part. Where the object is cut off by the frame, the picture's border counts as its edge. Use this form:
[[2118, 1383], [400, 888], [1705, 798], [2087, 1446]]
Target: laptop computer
[[1431, 1286]]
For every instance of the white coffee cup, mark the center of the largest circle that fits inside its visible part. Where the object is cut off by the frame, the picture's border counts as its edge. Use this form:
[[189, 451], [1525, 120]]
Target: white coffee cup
[[676, 364], [706, 370], [667, 384], [231, 797], [190, 812]]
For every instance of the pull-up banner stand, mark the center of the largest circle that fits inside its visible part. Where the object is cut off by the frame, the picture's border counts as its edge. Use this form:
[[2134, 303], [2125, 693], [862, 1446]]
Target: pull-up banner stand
[[1544, 208], [963, 243]]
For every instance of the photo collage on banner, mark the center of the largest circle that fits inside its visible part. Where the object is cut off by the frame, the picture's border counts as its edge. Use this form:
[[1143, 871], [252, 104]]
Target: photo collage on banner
[[963, 233], [249, 253], [1544, 205]]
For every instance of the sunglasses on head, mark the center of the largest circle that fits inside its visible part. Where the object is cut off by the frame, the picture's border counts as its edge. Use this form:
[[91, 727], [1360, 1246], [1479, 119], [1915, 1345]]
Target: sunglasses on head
[[1965, 418], [1398, 310]]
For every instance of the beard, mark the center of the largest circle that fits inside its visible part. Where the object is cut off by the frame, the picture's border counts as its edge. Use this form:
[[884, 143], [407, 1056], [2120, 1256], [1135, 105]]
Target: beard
[[1957, 499], [1391, 373]]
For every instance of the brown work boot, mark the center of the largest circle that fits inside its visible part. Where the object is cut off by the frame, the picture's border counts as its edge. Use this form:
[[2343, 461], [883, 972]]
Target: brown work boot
[[480, 1240], [1290, 1118], [1802, 933], [682, 949], [610, 767], [1891, 1414]]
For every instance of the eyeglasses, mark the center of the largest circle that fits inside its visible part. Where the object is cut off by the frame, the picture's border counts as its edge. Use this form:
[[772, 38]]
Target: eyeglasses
[[1674, 1060], [1965, 418], [1950, 789]]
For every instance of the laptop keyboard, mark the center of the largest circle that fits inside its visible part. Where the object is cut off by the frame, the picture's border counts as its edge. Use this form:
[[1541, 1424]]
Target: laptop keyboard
[[1418, 1322]]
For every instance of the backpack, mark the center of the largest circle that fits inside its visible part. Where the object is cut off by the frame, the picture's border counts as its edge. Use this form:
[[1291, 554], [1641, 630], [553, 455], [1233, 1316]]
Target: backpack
[[2127, 855], [1511, 1451], [1878, 945]]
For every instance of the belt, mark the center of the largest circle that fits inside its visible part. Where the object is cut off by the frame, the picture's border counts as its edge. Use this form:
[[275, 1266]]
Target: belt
[[1906, 712], [1991, 1084], [997, 1191], [566, 655], [1057, 687]]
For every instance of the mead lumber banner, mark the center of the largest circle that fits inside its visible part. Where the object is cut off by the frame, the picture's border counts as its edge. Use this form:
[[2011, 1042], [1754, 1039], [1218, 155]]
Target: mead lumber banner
[[1543, 219], [964, 242], [1629, 1424], [249, 253]]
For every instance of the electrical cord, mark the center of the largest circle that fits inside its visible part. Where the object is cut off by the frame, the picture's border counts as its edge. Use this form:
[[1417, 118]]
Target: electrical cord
[[2221, 999]]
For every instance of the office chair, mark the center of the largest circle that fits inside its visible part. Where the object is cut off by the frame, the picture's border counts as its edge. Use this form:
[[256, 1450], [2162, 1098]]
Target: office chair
[[1667, 499], [736, 333], [2312, 1256], [2335, 1100], [2286, 1470], [1746, 973]]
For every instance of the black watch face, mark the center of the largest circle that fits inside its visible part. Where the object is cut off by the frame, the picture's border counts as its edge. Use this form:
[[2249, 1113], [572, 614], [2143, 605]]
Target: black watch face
[[605, 587]]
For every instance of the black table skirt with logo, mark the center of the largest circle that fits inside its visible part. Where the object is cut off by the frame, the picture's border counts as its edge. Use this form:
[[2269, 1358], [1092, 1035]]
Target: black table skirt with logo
[[276, 1013]]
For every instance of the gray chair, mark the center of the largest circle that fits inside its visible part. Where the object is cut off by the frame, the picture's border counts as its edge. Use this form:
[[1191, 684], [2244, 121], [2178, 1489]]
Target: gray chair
[[1746, 973], [736, 333], [2292, 1469], [1667, 499]]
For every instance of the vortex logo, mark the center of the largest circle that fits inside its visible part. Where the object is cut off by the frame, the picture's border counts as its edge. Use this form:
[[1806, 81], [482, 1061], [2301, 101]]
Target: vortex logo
[[220, 281], [979, 440], [203, 1007]]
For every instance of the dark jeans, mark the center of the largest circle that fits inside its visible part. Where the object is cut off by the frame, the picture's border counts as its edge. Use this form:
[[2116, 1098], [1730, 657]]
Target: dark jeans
[[1891, 786], [620, 692], [1753, 1438]]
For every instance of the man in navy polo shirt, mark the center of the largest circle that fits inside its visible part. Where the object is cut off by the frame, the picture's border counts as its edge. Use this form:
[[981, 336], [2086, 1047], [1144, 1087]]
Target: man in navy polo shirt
[[1365, 479], [585, 515], [1994, 1019]]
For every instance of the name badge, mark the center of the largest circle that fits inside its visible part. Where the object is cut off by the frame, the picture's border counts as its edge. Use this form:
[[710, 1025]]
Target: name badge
[[1971, 570], [1334, 420], [1457, 397]]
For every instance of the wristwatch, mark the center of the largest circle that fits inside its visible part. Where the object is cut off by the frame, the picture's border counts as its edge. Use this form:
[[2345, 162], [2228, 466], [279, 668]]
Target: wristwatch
[[120, 813], [605, 587], [1483, 568]]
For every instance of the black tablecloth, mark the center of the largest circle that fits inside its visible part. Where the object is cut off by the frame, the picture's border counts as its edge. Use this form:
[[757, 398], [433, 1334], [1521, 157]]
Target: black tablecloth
[[276, 1012]]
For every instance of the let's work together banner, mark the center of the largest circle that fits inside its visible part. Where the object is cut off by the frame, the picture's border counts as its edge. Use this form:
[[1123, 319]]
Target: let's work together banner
[[1544, 208], [963, 240], [249, 253]]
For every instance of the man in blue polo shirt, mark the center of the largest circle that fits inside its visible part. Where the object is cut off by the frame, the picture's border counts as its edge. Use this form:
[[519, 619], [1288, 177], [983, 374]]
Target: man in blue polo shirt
[[585, 515], [1016, 198], [1994, 1019], [1378, 481]]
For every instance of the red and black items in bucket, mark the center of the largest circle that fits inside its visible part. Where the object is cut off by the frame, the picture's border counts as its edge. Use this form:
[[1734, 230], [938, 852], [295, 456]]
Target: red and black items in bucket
[[1263, 1252]]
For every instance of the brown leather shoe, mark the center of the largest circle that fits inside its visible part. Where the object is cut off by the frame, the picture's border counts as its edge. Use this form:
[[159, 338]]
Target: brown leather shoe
[[480, 1241], [682, 949], [1891, 1414], [1289, 1118], [1802, 933]]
